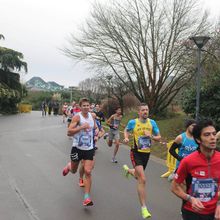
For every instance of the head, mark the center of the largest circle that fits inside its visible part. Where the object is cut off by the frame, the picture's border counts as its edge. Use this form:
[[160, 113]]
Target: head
[[143, 111], [77, 106], [189, 125], [118, 110], [73, 104], [204, 133], [84, 105], [97, 107]]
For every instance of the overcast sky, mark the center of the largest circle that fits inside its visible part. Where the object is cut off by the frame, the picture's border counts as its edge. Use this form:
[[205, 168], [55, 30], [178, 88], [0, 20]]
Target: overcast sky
[[37, 28]]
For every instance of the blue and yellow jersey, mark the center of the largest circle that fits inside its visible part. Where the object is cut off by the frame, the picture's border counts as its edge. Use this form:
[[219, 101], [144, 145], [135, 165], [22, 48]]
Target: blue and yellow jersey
[[142, 143]]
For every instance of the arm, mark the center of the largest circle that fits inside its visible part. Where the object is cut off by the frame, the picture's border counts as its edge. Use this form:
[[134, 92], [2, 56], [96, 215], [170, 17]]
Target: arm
[[73, 128], [178, 191], [108, 122], [176, 144]]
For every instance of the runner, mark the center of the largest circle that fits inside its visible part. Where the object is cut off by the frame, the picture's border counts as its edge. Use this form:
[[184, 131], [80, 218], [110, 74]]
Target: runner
[[99, 119], [185, 144], [81, 128], [64, 111], [201, 172], [114, 122], [144, 131]]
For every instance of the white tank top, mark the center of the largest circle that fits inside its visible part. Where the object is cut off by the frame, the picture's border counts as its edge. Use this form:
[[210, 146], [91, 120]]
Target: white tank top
[[83, 140]]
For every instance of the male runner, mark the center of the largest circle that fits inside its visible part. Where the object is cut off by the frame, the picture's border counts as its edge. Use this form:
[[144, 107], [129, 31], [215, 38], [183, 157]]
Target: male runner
[[144, 131], [81, 128], [114, 122], [201, 172]]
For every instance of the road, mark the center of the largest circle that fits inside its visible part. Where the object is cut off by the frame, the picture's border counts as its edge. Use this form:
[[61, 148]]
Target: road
[[34, 150]]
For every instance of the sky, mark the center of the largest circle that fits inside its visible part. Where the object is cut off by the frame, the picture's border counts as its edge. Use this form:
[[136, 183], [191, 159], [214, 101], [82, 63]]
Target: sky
[[39, 28]]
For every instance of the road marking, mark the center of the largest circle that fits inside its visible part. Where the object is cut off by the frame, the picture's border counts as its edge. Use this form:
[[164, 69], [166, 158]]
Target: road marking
[[27, 206]]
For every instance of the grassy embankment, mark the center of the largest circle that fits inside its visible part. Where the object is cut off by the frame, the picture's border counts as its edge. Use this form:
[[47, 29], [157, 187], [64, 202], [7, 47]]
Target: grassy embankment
[[169, 129]]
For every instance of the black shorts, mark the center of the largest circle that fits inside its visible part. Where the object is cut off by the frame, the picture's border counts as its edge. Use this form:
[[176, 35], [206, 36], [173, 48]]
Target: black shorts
[[196, 216], [139, 159], [77, 154]]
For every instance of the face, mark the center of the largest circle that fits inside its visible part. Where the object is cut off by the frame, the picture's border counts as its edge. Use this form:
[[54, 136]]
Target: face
[[208, 138], [97, 107], [118, 111], [143, 112], [77, 105], [190, 128], [85, 107]]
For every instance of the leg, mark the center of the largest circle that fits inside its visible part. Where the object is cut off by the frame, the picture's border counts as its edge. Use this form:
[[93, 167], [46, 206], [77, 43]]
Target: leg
[[115, 150], [88, 166], [141, 181]]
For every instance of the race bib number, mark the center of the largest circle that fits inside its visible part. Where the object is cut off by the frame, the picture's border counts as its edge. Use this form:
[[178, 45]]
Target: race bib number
[[144, 144], [204, 189]]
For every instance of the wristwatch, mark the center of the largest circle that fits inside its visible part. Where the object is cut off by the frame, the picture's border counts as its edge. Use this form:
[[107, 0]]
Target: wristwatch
[[188, 198]]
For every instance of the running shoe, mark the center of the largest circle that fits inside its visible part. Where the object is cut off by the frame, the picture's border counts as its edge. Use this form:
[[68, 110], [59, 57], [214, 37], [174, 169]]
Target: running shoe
[[81, 183], [87, 202], [125, 171], [66, 169], [114, 160], [145, 213]]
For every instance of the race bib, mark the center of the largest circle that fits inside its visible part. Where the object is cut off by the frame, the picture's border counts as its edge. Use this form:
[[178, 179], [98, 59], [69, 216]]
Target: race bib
[[85, 140], [144, 144], [204, 189]]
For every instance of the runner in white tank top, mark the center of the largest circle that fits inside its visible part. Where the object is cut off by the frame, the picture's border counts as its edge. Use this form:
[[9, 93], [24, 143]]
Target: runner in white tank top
[[81, 128]]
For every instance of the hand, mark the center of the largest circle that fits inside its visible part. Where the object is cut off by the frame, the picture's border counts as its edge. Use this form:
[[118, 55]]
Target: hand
[[85, 126], [197, 204], [126, 140]]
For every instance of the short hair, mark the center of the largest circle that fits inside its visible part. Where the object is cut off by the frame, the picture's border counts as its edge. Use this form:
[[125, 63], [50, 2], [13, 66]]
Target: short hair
[[197, 130], [142, 104], [83, 100], [189, 122]]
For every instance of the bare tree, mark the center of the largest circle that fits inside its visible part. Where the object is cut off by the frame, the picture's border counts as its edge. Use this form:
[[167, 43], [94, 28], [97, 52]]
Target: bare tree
[[93, 88], [141, 42]]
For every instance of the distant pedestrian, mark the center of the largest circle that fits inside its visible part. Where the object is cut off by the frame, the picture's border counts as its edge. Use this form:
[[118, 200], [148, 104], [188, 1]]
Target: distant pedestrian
[[44, 108]]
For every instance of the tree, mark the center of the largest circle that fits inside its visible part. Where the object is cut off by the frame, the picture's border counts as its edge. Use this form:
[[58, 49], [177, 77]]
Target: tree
[[11, 60], [142, 43]]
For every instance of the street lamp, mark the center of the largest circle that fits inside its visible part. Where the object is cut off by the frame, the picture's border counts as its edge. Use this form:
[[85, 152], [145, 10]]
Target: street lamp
[[109, 77], [71, 93], [200, 41]]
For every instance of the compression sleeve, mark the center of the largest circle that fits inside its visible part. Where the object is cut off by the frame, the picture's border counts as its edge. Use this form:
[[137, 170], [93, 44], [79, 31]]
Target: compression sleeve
[[172, 151]]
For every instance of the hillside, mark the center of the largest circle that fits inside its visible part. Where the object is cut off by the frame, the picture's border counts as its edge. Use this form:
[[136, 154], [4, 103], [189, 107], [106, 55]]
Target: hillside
[[38, 84]]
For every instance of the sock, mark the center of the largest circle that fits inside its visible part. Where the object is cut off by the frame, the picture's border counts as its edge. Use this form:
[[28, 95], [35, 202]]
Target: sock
[[86, 195], [143, 207]]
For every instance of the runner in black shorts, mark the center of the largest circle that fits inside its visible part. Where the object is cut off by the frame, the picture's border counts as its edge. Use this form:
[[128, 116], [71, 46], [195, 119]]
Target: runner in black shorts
[[144, 131], [81, 129]]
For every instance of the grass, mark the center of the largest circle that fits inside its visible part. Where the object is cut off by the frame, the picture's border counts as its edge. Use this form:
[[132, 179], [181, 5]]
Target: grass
[[169, 129]]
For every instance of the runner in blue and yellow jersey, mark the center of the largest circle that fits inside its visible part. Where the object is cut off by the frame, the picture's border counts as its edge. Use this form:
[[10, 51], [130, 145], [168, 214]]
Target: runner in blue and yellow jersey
[[144, 131]]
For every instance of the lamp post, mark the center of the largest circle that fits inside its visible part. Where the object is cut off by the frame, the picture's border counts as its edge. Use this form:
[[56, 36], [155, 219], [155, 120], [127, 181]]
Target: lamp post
[[200, 41], [109, 77], [71, 93]]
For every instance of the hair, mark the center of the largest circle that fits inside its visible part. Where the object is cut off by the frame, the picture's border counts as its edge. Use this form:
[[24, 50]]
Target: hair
[[200, 125], [189, 122], [83, 100], [142, 104]]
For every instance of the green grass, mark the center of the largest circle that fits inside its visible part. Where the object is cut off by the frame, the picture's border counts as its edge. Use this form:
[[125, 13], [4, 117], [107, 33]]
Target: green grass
[[169, 129]]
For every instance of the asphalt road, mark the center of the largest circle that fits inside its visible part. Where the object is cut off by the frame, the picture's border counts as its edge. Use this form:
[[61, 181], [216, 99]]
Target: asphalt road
[[33, 152]]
